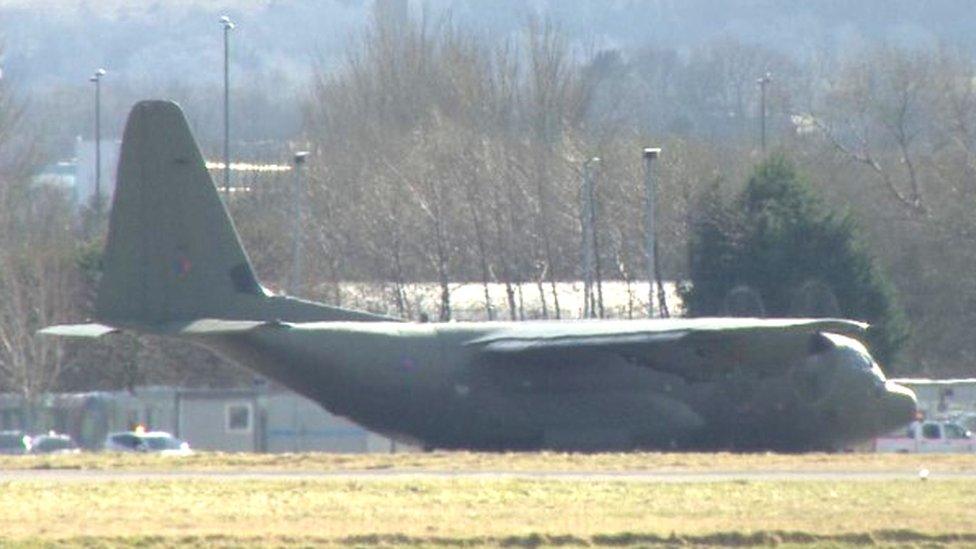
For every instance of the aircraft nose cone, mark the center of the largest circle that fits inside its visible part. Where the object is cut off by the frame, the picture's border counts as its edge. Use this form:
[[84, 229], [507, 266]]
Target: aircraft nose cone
[[900, 406]]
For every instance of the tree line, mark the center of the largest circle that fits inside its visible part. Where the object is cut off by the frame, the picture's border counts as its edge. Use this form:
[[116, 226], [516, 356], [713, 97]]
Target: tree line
[[440, 156]]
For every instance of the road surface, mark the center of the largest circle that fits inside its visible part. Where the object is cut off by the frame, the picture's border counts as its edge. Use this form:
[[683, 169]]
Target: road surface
[[76, 475]]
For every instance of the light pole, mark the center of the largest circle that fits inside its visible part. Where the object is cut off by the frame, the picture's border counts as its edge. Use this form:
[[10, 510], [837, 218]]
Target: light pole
[[650, 244], [763, 81], [97, 80], [228, 26], [588, 222], [297, 226]]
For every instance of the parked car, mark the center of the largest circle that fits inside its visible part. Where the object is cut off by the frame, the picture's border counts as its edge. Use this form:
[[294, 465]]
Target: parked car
[[139, 440], [966, 419], [930, 436], [52, 443], [13, 442]]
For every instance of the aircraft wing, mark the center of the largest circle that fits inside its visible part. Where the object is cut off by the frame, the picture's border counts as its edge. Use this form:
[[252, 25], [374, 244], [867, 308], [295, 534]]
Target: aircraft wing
[[216, 327], [691, 348]]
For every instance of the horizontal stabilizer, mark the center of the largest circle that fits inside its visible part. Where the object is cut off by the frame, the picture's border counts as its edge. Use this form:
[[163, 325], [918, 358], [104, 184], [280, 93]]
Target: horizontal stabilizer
[[200, 327], [79, 330]]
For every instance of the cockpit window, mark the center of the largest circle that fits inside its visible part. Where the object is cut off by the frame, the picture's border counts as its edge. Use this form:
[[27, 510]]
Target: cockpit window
[[866, 362], [860, 359]]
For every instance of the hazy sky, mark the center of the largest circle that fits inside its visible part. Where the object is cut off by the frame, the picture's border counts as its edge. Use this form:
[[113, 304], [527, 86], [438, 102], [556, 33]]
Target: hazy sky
[[172, 47]]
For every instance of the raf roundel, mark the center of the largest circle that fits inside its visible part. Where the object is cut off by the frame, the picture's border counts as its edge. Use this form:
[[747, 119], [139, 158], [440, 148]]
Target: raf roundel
[[182, 266]]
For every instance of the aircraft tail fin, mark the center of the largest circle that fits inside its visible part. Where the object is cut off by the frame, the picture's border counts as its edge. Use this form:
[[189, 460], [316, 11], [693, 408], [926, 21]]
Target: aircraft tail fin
[[173, 253]]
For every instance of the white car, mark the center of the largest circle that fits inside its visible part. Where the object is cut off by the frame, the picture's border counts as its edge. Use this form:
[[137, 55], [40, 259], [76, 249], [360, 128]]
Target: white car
[[157, 442], [52, 443]]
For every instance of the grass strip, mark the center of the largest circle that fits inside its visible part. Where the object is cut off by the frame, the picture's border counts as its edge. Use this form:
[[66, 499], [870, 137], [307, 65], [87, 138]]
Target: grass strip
[[470, 461], [882, 538], [476, 512]]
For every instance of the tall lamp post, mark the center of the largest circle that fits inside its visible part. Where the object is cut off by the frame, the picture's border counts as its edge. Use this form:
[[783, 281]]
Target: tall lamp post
[[97, 80], [298, 204], [228, 26], [650, 244], [763, 81], [588, 222]]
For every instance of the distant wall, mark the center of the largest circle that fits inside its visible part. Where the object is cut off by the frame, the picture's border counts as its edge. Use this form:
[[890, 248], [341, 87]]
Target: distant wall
[[227, 420]]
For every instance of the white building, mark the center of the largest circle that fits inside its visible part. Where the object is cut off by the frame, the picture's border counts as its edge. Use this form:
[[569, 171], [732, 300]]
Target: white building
[[228, 420], [84, 190], [939, 397]]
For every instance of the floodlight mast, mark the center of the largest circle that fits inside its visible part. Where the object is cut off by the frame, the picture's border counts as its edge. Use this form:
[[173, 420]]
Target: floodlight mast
[[96, 78], [296, 280], [228, 26], [763, 82], [591, 261], [650, 245]]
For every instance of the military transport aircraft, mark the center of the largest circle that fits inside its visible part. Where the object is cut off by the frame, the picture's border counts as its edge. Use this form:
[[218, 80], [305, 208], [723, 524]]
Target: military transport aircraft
[[174, 266]]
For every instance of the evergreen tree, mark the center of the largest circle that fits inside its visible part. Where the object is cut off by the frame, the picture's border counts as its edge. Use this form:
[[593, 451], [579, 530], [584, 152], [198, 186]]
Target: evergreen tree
[[803, 259]]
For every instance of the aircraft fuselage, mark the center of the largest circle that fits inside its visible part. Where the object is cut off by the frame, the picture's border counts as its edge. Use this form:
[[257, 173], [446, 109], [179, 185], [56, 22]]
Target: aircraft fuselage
[[423, 383]]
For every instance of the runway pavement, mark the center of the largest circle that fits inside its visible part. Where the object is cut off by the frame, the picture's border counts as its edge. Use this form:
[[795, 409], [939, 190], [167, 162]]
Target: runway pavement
[[95, 476]]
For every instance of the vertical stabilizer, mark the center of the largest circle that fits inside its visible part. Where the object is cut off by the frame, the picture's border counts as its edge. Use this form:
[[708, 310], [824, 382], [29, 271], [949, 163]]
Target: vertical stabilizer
[[172, 251]]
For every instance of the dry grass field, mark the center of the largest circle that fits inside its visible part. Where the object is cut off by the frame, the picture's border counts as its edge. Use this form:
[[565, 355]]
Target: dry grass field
[[463, 512], [37, 510]]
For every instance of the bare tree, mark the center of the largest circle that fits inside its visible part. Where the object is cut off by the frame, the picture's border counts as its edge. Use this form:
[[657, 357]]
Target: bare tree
[[877, 114]]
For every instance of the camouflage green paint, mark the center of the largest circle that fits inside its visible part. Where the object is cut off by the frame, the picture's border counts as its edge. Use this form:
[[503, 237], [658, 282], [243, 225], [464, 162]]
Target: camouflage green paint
[[174, 266]]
